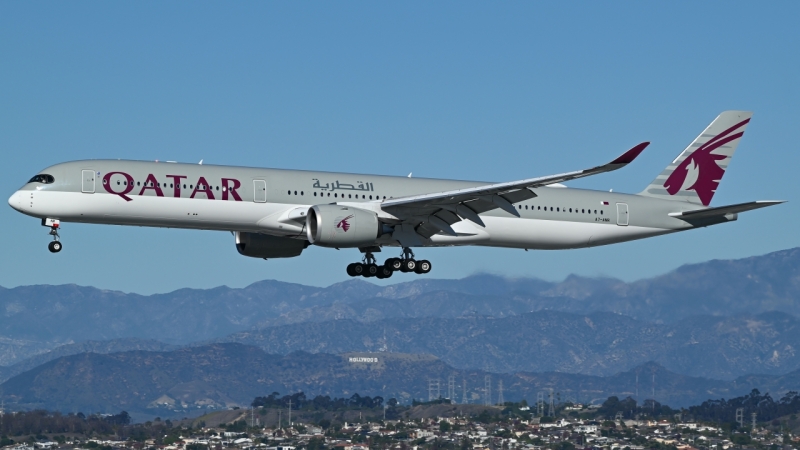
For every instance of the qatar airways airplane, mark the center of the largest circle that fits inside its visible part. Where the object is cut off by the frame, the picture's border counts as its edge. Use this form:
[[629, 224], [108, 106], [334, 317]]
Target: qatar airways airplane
[[275, 213]]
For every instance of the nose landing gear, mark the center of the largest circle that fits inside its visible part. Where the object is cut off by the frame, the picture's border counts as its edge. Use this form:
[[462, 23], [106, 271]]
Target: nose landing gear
[[54, 246], [406, 263]]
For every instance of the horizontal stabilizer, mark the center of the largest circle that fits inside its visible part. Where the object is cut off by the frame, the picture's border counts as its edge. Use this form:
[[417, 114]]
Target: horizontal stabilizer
[[724, 210]]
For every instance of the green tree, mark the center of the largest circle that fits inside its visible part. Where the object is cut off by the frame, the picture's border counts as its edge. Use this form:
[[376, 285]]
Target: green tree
[[444, 426]]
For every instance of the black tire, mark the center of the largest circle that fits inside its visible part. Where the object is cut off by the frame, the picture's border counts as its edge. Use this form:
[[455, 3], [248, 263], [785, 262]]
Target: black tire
[[54, 247], [350, 270], [358, 269], [423, 267], [408, 265], [370, 270], [385, 272], [394, 264]]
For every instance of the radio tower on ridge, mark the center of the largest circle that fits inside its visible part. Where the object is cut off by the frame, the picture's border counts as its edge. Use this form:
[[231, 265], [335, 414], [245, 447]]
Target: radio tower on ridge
[[500, 399], [487, 390], [451, 388]]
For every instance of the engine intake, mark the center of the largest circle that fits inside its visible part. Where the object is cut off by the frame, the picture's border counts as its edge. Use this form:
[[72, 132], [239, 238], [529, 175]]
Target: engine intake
[[265, 246], [341, 226]]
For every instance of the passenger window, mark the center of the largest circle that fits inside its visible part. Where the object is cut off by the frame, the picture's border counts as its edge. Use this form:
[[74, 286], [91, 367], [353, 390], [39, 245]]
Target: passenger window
[[301, 193]]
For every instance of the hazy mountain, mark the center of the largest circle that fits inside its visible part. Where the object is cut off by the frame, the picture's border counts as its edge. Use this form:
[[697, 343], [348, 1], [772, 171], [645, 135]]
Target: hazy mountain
[[39, 318], [112, 346], [593, 344], [191, 379]]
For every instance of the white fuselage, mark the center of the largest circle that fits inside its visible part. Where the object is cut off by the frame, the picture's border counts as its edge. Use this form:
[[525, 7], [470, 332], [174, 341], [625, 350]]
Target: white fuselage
[[274, 202]]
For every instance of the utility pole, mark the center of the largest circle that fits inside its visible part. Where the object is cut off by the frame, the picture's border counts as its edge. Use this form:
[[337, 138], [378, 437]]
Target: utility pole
[[464, 398], [290, 414], [279, 419], [552, 410]]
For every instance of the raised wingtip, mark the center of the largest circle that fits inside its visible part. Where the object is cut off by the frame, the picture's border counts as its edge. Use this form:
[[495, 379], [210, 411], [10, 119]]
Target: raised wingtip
[[631, 154]]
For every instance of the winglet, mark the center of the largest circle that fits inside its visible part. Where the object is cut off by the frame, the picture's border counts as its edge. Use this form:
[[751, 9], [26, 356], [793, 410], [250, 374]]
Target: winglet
[[630, 155]]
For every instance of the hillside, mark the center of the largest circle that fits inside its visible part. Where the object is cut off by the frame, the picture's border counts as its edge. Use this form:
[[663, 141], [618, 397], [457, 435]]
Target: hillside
[[593, 344], [191, 380], [718, 319]]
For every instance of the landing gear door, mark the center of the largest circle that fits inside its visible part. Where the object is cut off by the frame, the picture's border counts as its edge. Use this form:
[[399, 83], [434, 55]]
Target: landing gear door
[[622, 214], [87, 181], [259, 191]]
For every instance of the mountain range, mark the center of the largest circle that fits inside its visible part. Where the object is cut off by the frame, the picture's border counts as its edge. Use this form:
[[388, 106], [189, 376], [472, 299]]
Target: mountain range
[[183, 381], [718, 321]]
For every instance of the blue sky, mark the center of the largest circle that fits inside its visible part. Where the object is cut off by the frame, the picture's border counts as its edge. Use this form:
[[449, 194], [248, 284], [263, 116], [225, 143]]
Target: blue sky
[[488, 91]]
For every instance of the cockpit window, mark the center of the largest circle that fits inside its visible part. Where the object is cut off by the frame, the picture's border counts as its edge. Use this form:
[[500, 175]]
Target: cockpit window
[[42, 178]]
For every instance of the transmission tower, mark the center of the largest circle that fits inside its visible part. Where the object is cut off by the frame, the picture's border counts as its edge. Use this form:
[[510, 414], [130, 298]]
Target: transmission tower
[[451, 388], [500, 400], [552, 410], [753, 416], [740, 417], [464, 398], [540, 404], [433, 389], [487, 390]]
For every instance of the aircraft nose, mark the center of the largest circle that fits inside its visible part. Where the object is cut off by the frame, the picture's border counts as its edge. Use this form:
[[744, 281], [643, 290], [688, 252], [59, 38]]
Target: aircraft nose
[[15, 201]]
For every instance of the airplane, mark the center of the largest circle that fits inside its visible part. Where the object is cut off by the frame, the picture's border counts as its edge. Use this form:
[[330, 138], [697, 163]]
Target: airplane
[[275, 213]]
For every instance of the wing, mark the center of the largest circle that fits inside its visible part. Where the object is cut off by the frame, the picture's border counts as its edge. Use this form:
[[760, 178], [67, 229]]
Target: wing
[[435, 212]]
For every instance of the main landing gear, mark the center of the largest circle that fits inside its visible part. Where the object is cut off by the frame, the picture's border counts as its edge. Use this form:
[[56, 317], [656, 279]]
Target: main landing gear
[[54, 246], [368, 267]]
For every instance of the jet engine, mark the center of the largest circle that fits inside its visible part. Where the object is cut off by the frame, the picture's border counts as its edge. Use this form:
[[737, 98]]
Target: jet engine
[[265, 246], [341, 226]]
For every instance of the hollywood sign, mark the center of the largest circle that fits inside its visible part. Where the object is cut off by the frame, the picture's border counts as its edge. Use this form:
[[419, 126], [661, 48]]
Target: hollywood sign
[[361, 359]]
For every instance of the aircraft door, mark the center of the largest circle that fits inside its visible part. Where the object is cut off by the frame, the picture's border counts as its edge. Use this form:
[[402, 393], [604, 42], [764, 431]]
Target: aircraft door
[[259, 191], [87, 181], [622, 214]]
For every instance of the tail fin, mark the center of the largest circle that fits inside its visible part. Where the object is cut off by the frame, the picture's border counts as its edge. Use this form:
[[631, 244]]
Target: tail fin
[[695, 174]]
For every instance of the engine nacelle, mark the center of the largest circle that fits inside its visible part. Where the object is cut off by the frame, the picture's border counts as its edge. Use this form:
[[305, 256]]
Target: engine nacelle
[[265, 246], [341, 226]]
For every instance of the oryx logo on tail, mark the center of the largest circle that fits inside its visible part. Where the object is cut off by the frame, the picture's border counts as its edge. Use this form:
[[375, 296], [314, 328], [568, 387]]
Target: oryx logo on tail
[[702, 164], [695, 174]]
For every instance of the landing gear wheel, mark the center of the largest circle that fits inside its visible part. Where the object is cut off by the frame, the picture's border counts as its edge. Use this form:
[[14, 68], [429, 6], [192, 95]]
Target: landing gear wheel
[[423, 267], [371, 270], [408, 265], [384, 272], [394, 264], [54, 247], [351, 270], [358, 269]]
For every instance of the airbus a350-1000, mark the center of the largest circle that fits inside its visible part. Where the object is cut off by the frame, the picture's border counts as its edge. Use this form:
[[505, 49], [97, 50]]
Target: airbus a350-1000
[[276, 213]]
